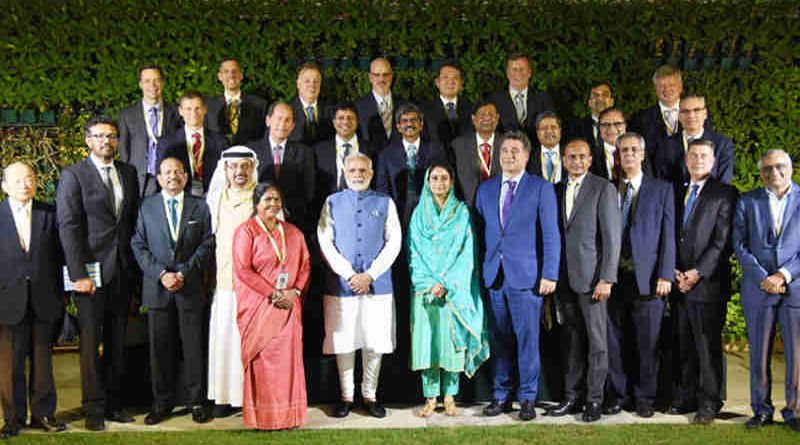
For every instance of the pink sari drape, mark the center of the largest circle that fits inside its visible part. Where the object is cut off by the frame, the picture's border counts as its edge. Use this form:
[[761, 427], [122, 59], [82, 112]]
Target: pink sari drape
[[272, 338]]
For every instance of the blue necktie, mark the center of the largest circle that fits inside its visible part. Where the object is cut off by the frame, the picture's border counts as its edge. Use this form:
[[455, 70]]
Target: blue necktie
[[690, 204], [312, 118], [151, 144], [627, 201], [451, 111], [173, 213], [550, 166], [412, 156], [506, 210]]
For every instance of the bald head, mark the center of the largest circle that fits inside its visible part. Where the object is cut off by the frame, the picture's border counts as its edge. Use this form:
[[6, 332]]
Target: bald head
[[380, 76]]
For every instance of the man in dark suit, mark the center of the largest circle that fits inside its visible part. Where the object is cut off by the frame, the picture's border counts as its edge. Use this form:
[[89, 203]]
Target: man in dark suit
[[601, 96], [518, 104], [173, 244], [766, 239], [703, 280], [312, 114], [587, 210], [96, 207], [545, 160], [194, 144], [236, 114], [402, 164], [605, 159], [668, 157], [288, 164], [519, 269], [31, 302], [376, 109], [141, 126], [447, 116], [647, 268], [476, 154]]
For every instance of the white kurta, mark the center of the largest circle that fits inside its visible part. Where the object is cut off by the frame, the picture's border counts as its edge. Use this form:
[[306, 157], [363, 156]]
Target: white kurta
[[225, 371], [361, 321]]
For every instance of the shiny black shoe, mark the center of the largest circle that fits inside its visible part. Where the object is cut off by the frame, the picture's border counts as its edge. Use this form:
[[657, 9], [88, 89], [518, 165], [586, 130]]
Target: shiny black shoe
[[342, 409], [677, 410], [569, 406], [119, 415], [95, 424], [758, 421], [496, 407], [794, 424], [592, 411], [645, 411], [10, 429], [375, 409], [222, 411], [48, 425], [201, 414], [610, 409], [527, 410], [704, 416], [157, 416]]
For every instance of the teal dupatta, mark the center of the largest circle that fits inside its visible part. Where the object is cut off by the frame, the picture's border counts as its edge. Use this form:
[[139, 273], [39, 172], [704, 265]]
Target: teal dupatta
[[448, 332]]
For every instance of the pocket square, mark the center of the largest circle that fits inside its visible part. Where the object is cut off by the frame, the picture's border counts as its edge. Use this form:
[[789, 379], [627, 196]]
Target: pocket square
[[191, 222]]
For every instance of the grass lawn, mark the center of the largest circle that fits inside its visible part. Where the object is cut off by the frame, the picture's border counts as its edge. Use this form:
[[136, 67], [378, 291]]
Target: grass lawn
[[578, 434]]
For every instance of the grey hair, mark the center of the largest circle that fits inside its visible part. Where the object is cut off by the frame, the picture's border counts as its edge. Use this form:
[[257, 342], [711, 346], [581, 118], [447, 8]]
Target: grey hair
[[773, 151], [13, 164], [630, 134], [358, 155]]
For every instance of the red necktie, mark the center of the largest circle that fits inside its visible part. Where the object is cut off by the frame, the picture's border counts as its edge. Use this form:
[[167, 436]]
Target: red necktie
[[486, 154], [617, 169], [276, 160], [197, 147]]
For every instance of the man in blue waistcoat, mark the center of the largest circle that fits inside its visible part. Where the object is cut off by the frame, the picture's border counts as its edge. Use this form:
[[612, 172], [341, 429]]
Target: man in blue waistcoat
[[358, 304]]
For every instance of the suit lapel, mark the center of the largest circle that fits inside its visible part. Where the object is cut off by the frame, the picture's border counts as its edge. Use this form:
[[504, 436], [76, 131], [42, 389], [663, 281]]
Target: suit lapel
[[793, 201], [37, 227], [8, 226], [582, 192], [186, 215], [707, 189], [520, 190], [94, 173]]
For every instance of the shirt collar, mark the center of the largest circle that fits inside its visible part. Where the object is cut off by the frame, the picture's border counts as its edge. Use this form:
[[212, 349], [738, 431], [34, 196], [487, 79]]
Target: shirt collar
[[772, 194], [273, 143], [636, 181], [353, 141], [693, 136], [99, 164], [578, 180], [664, 108], [147, 106], [415, 143], [167, 197], [489, 141], [17, 206], [446, 101], [189, 132], [379, 98], [230, 97], [306, 104], [609, 147], [514, 92], [555, 150], [516, 178]]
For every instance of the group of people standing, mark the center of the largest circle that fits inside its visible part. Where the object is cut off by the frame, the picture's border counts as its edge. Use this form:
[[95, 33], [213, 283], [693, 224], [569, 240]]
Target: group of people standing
[[449, 206]]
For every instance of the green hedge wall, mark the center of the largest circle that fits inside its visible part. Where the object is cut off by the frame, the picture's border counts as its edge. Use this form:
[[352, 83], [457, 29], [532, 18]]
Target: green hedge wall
[[80, 57]]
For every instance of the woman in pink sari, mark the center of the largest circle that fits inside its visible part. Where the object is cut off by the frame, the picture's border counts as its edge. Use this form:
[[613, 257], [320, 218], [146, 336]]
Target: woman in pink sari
[[271, 265]]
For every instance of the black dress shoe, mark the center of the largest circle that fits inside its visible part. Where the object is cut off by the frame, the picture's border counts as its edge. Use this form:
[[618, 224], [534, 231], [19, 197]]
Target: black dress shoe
[[342, 409], [119, 415], [221, 411], [591, 412], [10, 429], [48, 425], [610, 409], [526, 411], [793, 424], [645, 411], [157, 416], [704, 416], [569, 406], [677, 410], [758, 421], [201, 414], [375, 409], [95, 424], [496, 407]]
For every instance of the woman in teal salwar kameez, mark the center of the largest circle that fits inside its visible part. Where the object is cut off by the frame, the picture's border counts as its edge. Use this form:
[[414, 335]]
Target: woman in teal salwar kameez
[[448, 326]]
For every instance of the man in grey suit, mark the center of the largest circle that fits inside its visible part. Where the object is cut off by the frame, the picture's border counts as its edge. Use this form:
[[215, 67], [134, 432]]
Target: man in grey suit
[[475, 153], [587, 211], [141, 126], [173, 244]]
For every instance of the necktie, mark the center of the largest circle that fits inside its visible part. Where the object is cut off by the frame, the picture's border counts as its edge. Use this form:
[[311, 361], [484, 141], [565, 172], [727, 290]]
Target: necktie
[[312, 121], [616, 169], [110, 189], [233, 115], [627, 201], [22, 220], [173, 217], [505, 213], [412, 157], [151, 143], [277, 160], [342, 156], [671, 121], [451, 111], [197, 156], [690, 203], [386, 116], [486, 167], [519, 105], [549, 165], [570, 197]]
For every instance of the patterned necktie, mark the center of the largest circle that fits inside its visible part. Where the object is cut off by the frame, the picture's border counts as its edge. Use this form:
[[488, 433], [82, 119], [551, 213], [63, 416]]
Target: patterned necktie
[[672, 123], [312, 121], [173, 215], [342, 156], [627, 201], [570, 197], [22, 221], [197, 156], [451, 111], [550, 165], [519, 105], [110, 189], [512, 185], [616, 170], [386, 116], [233, 115], [152, 142], [412, 157], [687, 211], [277, 160], [486, 166]]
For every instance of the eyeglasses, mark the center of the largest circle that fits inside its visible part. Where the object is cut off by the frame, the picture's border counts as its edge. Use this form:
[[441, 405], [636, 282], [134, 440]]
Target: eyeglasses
[[612, 124], [100, 136], [779, 167], [691, 110]]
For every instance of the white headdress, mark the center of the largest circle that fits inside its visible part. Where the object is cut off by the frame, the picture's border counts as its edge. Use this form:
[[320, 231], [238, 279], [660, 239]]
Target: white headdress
[[219, 181]]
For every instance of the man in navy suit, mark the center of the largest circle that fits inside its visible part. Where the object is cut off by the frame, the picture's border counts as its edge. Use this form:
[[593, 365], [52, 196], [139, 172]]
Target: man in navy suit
[[402, 164], [236, 114], [518, 104], [646, 271], [449, 115], [173, 245], [519, 269], [668, 157], [194, 144], [31, 302], [702, 276], [141, 126], [766, 239], [96, 208], [545, 160], [376, 109], [311, 114], [601, 96]]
